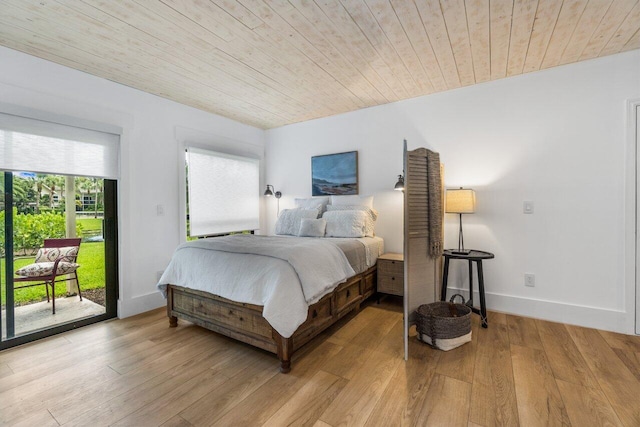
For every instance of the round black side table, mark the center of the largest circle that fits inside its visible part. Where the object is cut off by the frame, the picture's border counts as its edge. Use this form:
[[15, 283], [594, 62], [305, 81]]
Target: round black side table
[[472, 256]]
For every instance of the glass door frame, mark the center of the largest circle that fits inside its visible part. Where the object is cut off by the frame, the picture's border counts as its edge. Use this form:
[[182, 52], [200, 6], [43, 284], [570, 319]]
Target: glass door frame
[[111, 267]]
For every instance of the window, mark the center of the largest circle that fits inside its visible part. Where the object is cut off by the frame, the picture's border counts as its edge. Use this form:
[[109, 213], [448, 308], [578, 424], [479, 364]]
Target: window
[[223, 193], [88, 201]]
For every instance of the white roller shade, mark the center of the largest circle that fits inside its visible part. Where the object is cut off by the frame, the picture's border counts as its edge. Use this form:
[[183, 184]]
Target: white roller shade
[[224, 192], [44, 147]]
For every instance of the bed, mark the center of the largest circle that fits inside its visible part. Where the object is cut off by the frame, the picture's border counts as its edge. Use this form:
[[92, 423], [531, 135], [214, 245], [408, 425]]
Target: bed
[[273, 292]]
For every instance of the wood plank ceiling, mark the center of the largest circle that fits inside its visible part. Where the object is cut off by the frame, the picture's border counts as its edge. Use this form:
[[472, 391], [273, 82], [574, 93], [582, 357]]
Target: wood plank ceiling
[[270, 63]]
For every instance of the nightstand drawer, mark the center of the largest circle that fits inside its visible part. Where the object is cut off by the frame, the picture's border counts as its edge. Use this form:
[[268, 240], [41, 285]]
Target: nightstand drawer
[[391, 284], [386, 266], [391, 274]]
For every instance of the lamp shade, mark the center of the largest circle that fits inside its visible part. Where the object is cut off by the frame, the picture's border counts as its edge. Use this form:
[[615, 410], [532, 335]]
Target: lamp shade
[[400, 184], [461, 201]]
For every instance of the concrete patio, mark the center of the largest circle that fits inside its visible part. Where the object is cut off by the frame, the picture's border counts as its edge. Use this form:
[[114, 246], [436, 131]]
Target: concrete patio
[[33, 317]]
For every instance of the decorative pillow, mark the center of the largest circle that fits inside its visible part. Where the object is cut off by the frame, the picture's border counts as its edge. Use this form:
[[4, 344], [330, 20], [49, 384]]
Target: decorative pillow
[[370, 222], [312, 227], [319, 203], [289, 220], [354, 200], [45, 268], [317, 208], [345, 223], [52, 254]]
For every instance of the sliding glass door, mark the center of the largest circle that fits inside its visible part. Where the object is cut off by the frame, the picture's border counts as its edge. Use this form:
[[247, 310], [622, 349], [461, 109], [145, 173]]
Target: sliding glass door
[[58, 228], [40, 210]]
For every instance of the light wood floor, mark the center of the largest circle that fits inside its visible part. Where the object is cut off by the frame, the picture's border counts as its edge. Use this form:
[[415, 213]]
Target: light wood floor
[[139, 372]]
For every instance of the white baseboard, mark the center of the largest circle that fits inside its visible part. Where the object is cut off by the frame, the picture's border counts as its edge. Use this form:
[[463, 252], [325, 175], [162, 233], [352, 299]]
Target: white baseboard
[[140, 304], [590, 317]]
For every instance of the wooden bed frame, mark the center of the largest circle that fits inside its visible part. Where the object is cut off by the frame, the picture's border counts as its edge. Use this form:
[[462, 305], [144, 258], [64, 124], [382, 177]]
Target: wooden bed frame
[[245, 323]]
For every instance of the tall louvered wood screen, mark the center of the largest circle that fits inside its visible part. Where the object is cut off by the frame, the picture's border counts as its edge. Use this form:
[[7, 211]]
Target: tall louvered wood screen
[[421, 272]]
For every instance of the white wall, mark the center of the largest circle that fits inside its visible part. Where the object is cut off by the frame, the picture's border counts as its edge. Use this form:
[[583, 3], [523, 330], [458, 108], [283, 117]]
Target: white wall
[[288, 158], [150, 162], [555, 137]]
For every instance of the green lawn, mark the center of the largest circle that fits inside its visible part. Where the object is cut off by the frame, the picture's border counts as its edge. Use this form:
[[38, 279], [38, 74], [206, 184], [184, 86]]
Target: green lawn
[[90, 274], [90, 223]]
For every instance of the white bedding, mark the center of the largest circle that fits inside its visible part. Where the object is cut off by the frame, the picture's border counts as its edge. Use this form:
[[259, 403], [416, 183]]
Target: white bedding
[[283, 274]]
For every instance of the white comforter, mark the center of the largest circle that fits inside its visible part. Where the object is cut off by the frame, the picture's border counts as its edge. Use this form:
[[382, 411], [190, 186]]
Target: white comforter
[[282, 274]]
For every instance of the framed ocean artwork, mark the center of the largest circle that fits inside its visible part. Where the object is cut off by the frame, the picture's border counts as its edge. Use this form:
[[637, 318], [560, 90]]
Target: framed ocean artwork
[[334, 174]]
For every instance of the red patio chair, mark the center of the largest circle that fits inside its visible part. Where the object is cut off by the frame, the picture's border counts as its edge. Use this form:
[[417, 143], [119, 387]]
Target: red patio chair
[[57, 258]]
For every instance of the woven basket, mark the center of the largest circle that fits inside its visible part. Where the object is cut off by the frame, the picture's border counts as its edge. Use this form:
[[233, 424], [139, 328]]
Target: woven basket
[[444, 325]]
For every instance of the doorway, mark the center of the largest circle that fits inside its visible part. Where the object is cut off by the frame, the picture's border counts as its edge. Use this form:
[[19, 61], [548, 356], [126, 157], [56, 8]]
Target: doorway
[[58, 224], [39, 210]]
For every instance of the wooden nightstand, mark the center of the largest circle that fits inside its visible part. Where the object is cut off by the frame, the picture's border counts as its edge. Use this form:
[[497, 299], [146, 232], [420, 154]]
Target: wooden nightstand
[[391, 274]]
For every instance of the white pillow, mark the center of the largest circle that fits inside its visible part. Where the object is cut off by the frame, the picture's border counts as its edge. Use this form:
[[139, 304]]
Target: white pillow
[[370, 221], [319, 203], [312, 227], [353, 200], [289, 220], [345, 223]]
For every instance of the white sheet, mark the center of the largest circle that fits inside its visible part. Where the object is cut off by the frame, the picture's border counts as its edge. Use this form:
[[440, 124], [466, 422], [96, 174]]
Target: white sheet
[[276, 280], [373, 246]]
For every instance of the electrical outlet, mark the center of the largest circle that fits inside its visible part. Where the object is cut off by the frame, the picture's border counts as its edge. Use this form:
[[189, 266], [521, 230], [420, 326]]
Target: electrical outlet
[[529, 279], [527, 207]]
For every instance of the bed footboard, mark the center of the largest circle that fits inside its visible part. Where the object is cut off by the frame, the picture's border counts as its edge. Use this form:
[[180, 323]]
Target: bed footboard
[[244, 322]]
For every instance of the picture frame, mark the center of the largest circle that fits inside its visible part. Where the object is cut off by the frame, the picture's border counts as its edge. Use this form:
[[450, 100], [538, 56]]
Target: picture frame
[[334, 174]]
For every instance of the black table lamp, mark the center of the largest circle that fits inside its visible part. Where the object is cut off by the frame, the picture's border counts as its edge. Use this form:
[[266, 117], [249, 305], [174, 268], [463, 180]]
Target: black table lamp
[[460, 201]]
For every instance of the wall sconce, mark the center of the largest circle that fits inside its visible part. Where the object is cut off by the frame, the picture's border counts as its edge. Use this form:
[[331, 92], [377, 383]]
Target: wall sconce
[[400, 184], [461, 201], [270, 192]]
